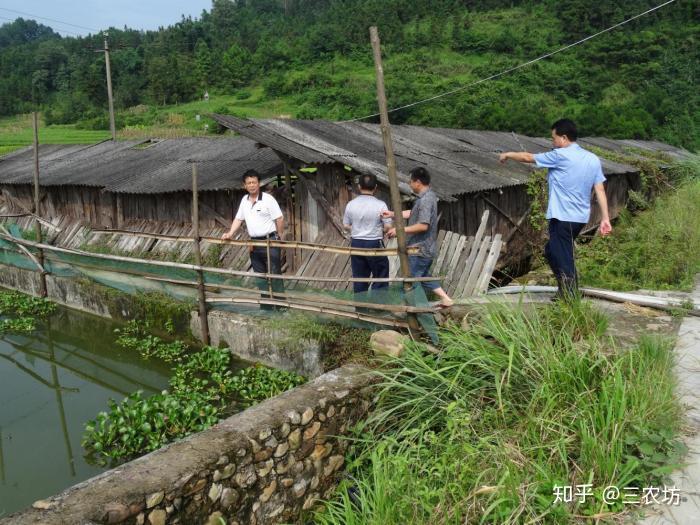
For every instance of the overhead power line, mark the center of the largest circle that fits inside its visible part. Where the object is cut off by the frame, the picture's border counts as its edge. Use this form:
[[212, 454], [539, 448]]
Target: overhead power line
[[515, 68], [52, 20], [62, 30]]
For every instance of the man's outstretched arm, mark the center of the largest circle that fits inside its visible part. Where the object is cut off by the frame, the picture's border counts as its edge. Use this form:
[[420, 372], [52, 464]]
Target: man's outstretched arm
[[519, 156]]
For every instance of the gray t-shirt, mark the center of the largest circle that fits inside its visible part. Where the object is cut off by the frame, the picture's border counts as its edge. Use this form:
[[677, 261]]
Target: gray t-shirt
[[363, 213], [424, 211]]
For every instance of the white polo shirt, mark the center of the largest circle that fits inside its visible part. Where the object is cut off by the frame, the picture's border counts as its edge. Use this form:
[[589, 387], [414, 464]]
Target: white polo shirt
[[259, 216]]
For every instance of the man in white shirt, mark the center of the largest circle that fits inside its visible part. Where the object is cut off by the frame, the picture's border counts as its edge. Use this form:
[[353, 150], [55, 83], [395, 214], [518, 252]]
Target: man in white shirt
[[263, 219]]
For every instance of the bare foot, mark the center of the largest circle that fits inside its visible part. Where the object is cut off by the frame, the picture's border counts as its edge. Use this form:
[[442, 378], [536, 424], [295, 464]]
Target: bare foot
[[444, 304]]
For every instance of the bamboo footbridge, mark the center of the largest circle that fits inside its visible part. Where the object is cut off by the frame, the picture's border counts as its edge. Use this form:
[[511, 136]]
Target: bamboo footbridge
[[464, 265]]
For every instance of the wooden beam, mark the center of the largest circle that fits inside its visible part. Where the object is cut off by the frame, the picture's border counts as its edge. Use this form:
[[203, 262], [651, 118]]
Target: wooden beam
[[396, 308], [216, 216], [201, 293], [333, 215], [37, 225], [391, 164]]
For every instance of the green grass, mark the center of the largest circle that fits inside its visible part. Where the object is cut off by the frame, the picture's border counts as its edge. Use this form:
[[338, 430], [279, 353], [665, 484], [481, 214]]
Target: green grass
[[160, 121], [655, 249], [16, 132], [521, 403]]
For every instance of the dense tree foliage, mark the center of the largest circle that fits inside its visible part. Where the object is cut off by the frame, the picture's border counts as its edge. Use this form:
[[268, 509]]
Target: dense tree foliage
[[636, 81]]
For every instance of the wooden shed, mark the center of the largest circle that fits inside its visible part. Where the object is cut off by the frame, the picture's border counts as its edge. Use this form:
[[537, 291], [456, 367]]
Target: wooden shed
[[137, 185], [464, 166]]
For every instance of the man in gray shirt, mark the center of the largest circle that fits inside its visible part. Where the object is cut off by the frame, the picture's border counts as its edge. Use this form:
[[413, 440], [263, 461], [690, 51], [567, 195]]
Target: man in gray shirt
[[363, 217], [422, 231]]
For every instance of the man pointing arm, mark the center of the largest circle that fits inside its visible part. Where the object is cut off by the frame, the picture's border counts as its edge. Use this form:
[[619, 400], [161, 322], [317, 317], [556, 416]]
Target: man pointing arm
[[572, 172]]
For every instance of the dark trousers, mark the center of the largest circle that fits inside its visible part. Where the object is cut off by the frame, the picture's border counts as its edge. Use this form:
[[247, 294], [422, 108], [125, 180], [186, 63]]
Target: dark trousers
[[258, 259], [364, 267], [559, 252]]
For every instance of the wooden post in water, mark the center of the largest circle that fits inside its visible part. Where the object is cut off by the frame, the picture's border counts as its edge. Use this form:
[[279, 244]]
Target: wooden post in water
[[203, 320], [37, 224], [391, 166]]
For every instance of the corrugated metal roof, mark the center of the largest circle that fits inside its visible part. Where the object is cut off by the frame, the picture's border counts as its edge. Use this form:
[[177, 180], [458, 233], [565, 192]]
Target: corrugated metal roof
[[460, 161], [142, 167]]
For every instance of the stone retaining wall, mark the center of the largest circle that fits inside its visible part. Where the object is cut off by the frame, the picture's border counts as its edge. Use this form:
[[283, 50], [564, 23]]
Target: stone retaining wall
[[261, 466]]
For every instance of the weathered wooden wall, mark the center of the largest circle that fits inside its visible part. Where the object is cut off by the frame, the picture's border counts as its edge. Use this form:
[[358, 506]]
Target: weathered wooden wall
[[105, 209], [169, 213]]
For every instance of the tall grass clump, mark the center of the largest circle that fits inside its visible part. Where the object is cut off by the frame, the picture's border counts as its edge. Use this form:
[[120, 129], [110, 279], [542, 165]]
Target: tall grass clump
[[524, 401], [654, 249]]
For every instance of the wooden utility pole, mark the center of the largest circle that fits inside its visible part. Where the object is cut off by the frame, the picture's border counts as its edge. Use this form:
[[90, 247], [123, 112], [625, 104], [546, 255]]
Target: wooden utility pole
[[391, 166], [112, 126], [203, 320], [37, 214]]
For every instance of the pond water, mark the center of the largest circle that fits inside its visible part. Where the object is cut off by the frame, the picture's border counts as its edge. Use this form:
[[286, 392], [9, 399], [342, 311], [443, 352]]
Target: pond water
[[52, 381]]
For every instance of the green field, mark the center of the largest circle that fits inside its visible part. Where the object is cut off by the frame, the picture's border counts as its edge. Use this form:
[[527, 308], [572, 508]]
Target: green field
[[158, 121], [16, 132]]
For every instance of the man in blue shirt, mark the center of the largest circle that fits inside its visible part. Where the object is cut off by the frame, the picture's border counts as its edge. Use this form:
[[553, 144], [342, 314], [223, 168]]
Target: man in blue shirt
[[572, 172]]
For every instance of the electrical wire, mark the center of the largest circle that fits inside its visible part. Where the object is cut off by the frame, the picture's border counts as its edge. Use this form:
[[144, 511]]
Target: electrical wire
[[51, 20], [515, 68]]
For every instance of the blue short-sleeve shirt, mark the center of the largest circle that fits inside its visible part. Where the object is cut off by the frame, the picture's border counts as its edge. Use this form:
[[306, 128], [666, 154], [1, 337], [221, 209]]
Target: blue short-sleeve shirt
[[572, 172]]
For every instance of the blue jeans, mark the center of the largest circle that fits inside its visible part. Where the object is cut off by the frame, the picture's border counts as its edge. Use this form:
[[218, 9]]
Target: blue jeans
[[364, 266], [420, 267]]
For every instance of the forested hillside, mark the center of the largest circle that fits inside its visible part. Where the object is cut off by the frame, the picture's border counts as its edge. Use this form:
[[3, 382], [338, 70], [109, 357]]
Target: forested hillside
[[636, 81]]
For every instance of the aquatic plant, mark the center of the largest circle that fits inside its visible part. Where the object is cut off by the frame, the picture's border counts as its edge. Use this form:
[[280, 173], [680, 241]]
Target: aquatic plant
[[134, 336], [22, 324], [259, 382], [23, 305], [202, 389]]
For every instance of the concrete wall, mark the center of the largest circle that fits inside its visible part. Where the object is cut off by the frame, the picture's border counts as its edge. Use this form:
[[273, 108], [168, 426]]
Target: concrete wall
[[262, 466], [251, 339]]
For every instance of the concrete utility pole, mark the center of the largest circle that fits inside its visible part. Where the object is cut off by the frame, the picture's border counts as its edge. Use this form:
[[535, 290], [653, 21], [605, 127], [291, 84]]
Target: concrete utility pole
[[391, 166], [112, 126]]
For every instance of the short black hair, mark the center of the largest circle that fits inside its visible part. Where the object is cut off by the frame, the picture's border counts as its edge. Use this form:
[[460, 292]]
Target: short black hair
[[249, 175], [566, 127], [367, 181], [421, 174]]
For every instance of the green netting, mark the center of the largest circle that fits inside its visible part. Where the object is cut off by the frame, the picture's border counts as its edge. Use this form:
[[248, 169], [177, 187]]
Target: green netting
[[133, 276]]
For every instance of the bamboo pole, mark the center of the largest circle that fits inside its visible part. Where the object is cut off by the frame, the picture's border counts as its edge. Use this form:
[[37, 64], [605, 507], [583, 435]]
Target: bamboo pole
[[30, 214], [269, 267], [25, 251], [36, 212], [274, 244], [310, 308], [203, 320], [110, 98], [395, 308], [391, 165], [221, 271]]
